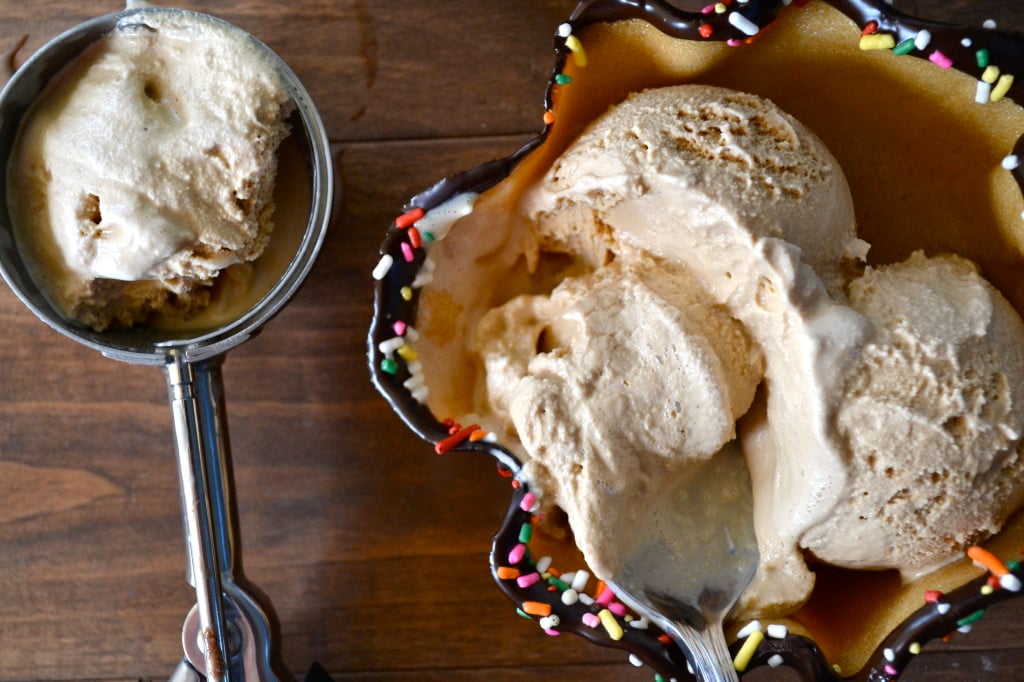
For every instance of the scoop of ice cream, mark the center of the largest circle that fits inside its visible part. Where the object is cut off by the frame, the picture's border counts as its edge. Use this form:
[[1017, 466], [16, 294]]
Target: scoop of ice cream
[[613, 384], [932, 417], [147, 167], [747, 199]]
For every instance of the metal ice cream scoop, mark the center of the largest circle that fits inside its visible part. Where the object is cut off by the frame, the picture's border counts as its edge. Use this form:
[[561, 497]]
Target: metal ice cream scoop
[[227, 636], [698, 554]]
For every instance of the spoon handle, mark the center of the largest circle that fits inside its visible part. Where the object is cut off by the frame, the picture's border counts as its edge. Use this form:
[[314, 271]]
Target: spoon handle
[[706, 651]]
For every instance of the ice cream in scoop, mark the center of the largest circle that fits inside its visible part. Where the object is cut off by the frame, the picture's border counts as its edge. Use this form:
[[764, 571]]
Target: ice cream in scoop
[[146, 171]]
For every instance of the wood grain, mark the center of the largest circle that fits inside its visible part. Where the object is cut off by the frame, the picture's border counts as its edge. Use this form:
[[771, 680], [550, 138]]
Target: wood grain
[[373, 550]]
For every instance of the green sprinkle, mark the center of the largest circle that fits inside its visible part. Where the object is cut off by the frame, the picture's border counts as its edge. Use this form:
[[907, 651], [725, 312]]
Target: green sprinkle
[[523, 614], [658, 678], [525, 533], [562, 79], [427, 236], [982, 57], [972, 618], [560, 584], [904, 47], [388, 365], [1013, 565]]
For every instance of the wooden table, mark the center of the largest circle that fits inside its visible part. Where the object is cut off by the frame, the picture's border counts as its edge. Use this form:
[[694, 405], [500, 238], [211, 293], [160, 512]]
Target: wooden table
[[372, 549]]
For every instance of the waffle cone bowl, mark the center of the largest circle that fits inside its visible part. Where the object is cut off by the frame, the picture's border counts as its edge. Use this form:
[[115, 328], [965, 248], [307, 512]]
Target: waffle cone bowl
[[921, 117]]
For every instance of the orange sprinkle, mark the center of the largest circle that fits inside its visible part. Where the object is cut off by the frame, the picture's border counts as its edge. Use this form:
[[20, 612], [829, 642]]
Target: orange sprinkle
[[537, 608], [554, 571], [507, 572], [664, 639], [549, 117], [515, 484], [455, 439], [480, 435], [988, 560], [414, 238], [600, 588], [409, 217]]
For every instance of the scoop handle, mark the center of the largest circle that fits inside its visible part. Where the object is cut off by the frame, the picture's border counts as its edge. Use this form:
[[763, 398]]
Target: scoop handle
[[228, 634]]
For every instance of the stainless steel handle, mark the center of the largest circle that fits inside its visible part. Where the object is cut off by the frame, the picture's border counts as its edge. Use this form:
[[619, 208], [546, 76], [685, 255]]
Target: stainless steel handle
[[227, 635]]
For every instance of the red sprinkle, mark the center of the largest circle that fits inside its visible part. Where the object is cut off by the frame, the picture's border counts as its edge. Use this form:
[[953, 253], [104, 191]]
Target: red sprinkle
[[504, 472], [869, 28], [664, 639], [932, 596], [706, 30], [409, 217], [455, 439]]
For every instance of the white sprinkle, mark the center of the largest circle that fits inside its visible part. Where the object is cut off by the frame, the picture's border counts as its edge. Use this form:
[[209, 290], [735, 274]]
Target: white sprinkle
[[570, 597], [415, 367], [567, 577], [786, 2], [491, 437], [420, 395], [777, 631], [775, 661], [414, 382], [579, 581], [1010, 582], [922, 39], [966, 42], [391, 345], [586, 599], [1010, 162], [981, 94], [412, 334], [426, 274], [640, 623], [943, 608], [440, 219], [1008, 432], [635, 660], [743, 24], [543, 564], [988, 23], [564, 30], [749, 629], [383, 266], [550, 622], [889, 654], [964, 629]]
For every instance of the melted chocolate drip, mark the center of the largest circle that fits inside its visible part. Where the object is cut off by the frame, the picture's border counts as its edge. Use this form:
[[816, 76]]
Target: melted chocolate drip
[[799, 653]]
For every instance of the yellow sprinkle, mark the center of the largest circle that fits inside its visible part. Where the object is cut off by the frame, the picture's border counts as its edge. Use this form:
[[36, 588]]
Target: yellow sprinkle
[[719, 8], [406, 293], [877, 41], [915, 648], [746, 651], [987, 589], [837, 669], [990, 74], [407, 353], [611, 625], [1001, 88], [574, 44]]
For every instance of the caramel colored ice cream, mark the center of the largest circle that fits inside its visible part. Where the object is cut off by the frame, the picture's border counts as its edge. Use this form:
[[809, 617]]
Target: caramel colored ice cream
[[709, 248], [146, 170]]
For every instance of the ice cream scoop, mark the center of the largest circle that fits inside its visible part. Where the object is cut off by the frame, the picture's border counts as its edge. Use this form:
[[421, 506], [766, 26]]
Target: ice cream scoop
[[228, 634]]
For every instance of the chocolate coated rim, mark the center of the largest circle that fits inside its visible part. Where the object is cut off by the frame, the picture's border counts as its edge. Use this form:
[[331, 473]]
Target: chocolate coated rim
[[929, 622]]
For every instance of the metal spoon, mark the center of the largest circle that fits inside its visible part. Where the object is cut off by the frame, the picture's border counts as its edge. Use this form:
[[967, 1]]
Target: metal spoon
[[687, 582], [227, 636]]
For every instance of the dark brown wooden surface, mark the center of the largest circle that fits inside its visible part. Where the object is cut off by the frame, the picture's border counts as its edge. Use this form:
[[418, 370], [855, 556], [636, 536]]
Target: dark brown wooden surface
[[372, 549]]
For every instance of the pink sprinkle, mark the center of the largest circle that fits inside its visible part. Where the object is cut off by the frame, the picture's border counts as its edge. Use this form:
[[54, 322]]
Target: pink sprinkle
[[399, 328], [940, 59], [734, 42], [708, 9], [525, 581], [517, 553], [407, 252], [618, 608], [889, 670], [529, 499], [553, 633], [606, 597], [591, 620]]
